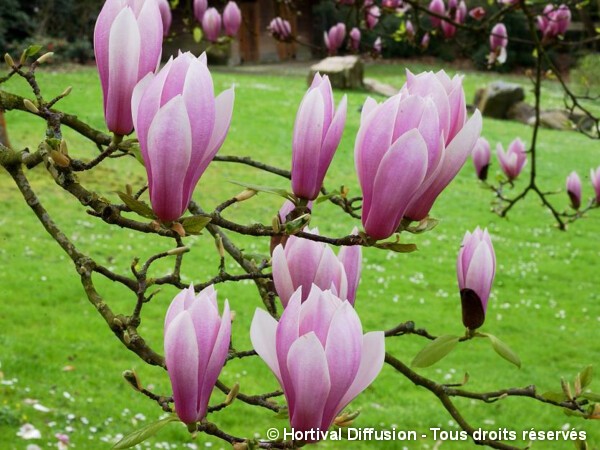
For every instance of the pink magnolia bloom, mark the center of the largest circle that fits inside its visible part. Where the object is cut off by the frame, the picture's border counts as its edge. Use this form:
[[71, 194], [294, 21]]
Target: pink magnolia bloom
[[355, 39], [200, 7], [554, 21], [425, 41], [373, 13], [319, 355], [334, 38], [461, 12], [422, 133], [390, 4], [410, 30], [498, 37], [196, 347], [437, 7], [475, 268], [127, 44], [513, 160], [448, 29], [165, 14], [211, 24], [280, 29], [508, 2], [303, 263], [180, 126], [595, 179], [377, 45], [317, 133], [481, 158], [574, 189], [477, 13], [232, 18]]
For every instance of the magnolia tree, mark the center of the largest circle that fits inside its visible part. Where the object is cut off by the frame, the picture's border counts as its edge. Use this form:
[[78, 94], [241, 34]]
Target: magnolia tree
[[407, 150]]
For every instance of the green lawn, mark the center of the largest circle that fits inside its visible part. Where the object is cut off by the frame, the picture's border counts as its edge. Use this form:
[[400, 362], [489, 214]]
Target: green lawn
[[545, 303]]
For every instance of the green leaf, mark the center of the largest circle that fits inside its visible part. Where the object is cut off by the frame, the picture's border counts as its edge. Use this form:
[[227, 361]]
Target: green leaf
[[580, 444], [33, 49], [137, 154], [435, 350], [197, 33], [269, 190], [504, 350], [398, 247], [591, 396], [137, 206], [195, 224], [554, 396], [586, 376], [143, 433], [427, 224], [323, 198]]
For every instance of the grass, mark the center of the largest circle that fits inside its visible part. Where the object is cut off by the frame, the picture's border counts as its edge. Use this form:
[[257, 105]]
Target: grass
[[57, 350]]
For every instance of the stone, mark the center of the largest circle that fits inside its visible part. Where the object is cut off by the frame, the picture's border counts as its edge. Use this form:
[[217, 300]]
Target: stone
[[498, 97], [554, 119], [521, 112], [377, 87], [344, 72]]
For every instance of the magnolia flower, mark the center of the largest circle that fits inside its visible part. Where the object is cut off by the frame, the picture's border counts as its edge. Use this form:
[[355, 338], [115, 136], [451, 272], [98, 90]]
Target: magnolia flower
[[334, 38], [595, 179], [513, 160], [475, 268], [355, 39], [574, 189], [477, 13], [211, 24], [319, 355], [377, 45], [200, 7], [498, 43], [373, 13], [421, 133], [165, 14], [196, 347], [481, 158], [425, 41], [127, 44], [410, 30], [232, 18], [317, 133], [280, 29], [436, 7], [181, 126], [554, 21], [303, 263]]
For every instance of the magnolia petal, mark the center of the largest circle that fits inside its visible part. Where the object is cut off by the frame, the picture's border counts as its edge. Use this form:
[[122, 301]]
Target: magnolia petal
[[217, 360], [480, 273], [343, 351], [400, 173], [372, 357], [124, 50], [170, 130], [181, 357], [262, 336], [281, 275], [309, 379]]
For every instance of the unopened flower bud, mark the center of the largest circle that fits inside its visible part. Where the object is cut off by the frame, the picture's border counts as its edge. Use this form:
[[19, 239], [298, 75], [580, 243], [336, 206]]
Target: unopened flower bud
[[245, 195], [59, 159], [233, 393], [219, 245], [9, 61], [132, 378], [31, 106], [45, 57], [178, 251], [240, 446], [276, 223], [67, 91], [63, 147]]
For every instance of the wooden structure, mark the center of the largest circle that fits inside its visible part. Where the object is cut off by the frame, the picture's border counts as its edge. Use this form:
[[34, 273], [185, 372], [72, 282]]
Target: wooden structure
[[255, 42]]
